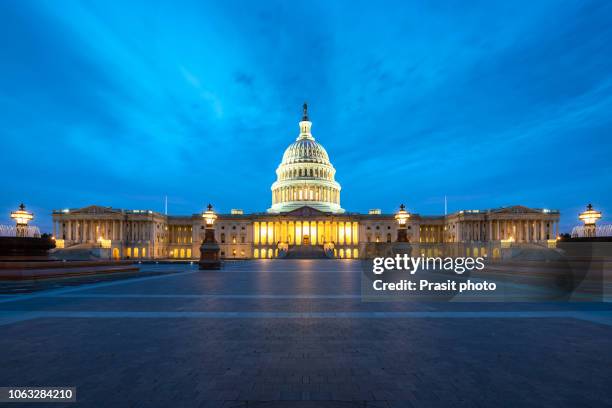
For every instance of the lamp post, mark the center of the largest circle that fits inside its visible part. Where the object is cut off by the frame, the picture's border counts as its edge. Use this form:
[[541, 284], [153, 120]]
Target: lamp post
[[209, 250], [22, 217], [402, 217], [590, 218], [402, 246]]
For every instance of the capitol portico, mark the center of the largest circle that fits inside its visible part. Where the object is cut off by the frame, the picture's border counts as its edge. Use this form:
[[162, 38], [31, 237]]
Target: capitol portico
[[304, 220]]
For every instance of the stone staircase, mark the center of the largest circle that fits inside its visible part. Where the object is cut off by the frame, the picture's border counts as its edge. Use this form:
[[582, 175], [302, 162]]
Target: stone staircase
[[305, 252]]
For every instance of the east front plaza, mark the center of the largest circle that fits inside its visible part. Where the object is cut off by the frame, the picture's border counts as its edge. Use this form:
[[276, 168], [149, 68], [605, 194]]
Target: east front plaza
[[297, 333]]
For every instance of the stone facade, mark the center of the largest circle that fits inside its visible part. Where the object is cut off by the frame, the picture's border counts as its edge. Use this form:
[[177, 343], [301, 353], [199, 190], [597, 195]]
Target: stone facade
[[305, 211]]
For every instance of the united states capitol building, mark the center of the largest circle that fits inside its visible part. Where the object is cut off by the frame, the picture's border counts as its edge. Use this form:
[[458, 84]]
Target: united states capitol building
[[305, 219]]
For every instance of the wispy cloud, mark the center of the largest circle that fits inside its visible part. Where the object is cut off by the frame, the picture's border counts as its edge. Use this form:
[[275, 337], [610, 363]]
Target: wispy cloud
[[489, 103]]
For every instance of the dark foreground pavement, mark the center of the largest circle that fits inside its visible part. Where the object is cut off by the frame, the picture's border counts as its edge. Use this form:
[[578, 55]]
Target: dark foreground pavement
[[292, 333]]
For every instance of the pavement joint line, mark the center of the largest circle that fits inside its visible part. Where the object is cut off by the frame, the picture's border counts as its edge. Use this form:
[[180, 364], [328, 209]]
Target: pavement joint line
[[601, 317], [201, 296], [86, 286]]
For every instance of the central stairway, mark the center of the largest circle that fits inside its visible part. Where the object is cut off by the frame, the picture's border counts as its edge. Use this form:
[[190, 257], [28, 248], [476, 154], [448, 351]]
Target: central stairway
[[305, 252]]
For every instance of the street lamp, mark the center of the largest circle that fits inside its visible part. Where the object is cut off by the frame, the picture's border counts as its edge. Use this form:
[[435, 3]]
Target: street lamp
[[590, 218], [21, 217], [209, 250], [402, 217]]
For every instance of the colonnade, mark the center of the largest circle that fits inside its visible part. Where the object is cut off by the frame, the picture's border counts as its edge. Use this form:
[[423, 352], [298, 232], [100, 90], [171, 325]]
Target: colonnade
[[306, 193], [431, 233], [517, 230], [180, 234], [305, 232], [306, 172], [87, 230]]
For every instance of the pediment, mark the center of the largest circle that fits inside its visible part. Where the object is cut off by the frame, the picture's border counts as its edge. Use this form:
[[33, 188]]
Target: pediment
[[95, 209], [515, 209], [305, 211]]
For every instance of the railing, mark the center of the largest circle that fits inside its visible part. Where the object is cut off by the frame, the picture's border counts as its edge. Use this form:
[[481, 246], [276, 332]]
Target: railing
[[14, 231], [600, 231]]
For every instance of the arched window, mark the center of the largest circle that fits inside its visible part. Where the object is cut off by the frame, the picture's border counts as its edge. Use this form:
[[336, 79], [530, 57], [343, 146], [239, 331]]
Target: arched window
[[388, 237]]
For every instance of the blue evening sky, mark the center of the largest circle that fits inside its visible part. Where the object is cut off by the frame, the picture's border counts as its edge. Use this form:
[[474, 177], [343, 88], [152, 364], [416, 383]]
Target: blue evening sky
[[121, 103]]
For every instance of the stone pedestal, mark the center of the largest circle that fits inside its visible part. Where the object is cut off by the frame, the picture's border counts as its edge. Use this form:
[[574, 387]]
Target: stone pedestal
[[402, 246], [209, 251]]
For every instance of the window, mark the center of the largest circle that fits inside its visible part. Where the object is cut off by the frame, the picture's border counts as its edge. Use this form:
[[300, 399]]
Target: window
[[223, 238]]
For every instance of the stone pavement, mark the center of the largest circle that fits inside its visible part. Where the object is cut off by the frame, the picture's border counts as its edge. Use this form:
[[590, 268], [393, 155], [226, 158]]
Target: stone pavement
[[295, 333]]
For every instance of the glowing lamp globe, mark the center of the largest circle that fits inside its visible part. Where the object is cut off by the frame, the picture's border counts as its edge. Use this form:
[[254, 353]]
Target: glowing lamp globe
[[590, 216], [209, 216], [21, 216], [402, 216]]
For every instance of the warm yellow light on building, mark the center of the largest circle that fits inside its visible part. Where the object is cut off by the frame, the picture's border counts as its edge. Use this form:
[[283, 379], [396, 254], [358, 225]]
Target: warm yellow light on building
[[104, 243], [270, 233], [263, 237], [298, 233]]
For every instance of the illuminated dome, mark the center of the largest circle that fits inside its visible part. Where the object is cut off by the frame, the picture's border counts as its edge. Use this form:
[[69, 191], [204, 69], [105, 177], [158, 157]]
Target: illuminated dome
[[305, 176]]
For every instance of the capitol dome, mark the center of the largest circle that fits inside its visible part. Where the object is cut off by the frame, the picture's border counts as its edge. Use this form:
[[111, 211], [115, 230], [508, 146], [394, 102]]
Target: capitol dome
[[305, 176]]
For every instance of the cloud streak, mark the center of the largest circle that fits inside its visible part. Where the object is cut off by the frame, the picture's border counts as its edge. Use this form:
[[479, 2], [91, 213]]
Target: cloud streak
[[493, 104]]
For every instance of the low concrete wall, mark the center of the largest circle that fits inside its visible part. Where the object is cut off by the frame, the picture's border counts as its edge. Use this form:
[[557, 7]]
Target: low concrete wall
[[59, 264], [30, 274]]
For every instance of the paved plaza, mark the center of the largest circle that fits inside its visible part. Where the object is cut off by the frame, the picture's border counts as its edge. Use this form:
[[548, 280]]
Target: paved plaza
[[296, 333]]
